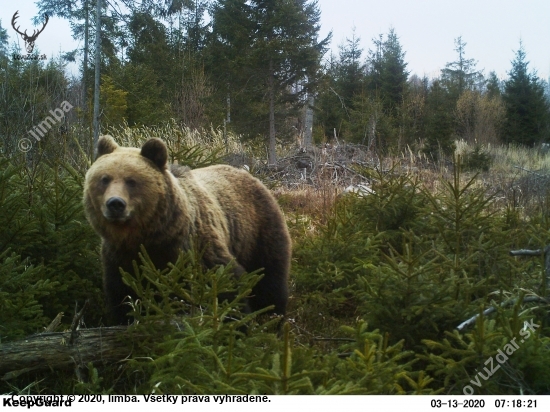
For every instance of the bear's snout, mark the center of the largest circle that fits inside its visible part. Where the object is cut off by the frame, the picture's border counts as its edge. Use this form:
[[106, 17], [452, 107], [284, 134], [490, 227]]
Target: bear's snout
[[116, 207]]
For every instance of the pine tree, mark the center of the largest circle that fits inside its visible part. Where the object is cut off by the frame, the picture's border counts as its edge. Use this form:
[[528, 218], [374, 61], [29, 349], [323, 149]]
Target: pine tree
[[494, 86], [439, 121], [193, 24], [330, 109], [343, 82], [278, 58], [350, 72], [387, 79], [114, 102], [389, 71], [79, 14], [527, 110], [461, 74], [149, 46], [3, 40], [21, 287]]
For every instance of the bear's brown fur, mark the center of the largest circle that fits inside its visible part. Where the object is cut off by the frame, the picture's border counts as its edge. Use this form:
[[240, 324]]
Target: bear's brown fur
[[132, 198]]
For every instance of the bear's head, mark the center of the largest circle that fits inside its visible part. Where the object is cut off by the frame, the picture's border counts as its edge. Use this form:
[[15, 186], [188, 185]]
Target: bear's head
[[124, 188]]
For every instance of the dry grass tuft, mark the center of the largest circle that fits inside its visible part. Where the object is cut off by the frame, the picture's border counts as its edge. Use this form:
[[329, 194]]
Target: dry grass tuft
[[177, 137]]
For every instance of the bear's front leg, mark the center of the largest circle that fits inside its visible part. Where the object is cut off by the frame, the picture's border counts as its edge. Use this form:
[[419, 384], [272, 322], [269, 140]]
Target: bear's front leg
[[213, 257]]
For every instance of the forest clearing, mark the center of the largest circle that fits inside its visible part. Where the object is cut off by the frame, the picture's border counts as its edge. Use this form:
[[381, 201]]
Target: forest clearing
[[418, 209], [379, 281]]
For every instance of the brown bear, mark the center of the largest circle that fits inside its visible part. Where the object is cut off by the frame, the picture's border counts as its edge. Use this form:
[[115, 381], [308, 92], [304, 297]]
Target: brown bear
[[132, 198]]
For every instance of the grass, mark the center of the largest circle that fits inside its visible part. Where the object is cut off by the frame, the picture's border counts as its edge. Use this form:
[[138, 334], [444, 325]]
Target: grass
[[325, 298]]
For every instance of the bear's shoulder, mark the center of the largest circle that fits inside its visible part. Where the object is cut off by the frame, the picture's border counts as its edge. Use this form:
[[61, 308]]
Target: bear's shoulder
[[179, 170]]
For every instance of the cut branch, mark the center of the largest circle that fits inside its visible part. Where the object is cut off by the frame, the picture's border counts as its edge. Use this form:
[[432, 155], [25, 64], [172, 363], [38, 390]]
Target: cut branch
[[526, 252], [493, 309], [546, 285]]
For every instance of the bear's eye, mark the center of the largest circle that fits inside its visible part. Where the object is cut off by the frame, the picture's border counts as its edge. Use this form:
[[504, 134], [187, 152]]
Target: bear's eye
[[105, 180], [131, 182]]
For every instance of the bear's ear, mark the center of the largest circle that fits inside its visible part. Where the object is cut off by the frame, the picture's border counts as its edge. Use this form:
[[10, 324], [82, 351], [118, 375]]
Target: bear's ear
[[105, 145], [155, 150]]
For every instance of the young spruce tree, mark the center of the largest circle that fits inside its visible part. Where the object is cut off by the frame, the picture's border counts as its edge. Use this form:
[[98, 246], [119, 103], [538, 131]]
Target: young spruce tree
[[527, 110]]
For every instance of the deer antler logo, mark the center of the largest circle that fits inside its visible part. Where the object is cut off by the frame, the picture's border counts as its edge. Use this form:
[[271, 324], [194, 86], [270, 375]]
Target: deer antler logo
[[29, 40]]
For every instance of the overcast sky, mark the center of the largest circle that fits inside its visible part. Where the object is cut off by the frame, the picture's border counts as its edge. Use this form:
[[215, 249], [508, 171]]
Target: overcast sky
[[492, 29]]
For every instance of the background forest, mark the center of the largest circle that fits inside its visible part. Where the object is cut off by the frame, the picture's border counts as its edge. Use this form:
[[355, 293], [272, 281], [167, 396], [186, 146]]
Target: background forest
[[456, 173]]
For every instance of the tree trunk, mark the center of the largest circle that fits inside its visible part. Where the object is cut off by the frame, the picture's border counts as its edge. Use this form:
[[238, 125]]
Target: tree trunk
[[271, 153], [85, 60], [308, 132], [97, 71]]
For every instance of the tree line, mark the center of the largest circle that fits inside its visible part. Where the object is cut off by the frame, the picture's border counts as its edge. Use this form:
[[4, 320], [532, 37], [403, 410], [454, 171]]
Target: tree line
[[256, 67]]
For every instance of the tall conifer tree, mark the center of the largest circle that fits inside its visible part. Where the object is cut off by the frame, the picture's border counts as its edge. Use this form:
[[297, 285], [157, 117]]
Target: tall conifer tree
[[439, 122], [266, 55], [388, 86], [460, 75], [3, 40], [350, 73], [343, 80], [527, 110], [389, 72]]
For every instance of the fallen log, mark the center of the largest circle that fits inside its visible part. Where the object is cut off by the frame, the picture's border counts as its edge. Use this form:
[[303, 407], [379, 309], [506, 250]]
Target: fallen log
[[53, 351]]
